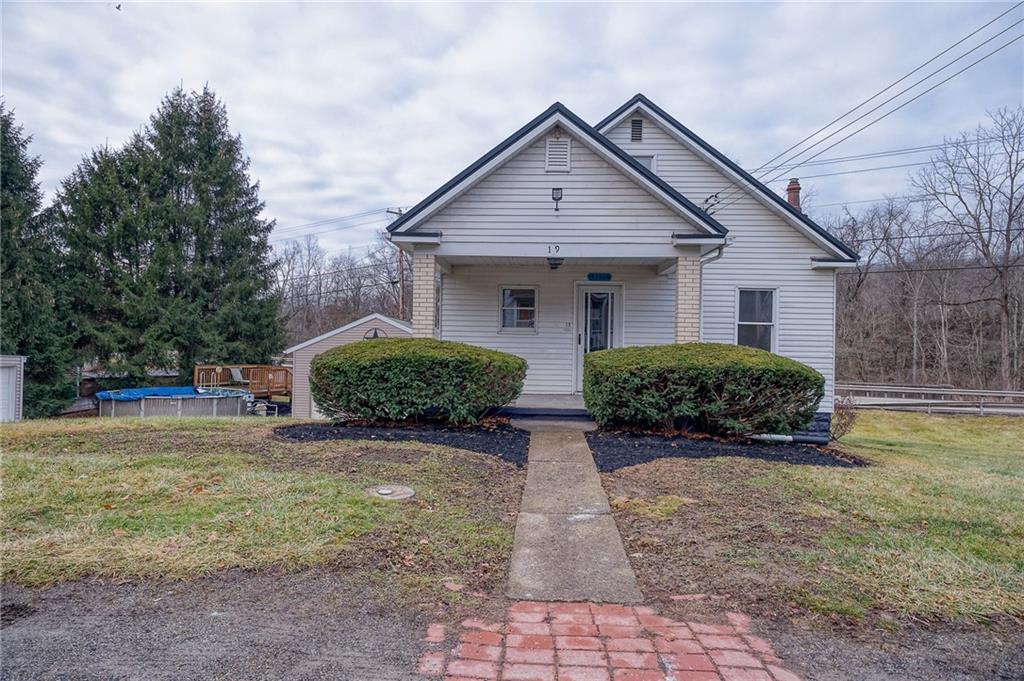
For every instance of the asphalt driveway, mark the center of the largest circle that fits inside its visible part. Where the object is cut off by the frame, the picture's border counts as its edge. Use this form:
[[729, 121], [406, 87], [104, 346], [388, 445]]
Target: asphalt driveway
[[236, 625]]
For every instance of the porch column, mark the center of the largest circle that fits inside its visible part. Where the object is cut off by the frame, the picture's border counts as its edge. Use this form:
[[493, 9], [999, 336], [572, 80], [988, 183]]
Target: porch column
[[687, 299], [424, 281]]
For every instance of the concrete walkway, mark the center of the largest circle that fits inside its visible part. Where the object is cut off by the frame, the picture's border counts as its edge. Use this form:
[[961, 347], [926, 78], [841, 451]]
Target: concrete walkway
[[567, 547]]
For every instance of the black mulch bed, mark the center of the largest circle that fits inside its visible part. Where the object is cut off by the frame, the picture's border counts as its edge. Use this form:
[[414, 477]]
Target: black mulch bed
[[614, 450], [503, 441]]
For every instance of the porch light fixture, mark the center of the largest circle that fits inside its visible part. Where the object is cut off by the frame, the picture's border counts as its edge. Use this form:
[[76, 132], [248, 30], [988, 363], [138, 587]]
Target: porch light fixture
[[555, 263], [556, 196]]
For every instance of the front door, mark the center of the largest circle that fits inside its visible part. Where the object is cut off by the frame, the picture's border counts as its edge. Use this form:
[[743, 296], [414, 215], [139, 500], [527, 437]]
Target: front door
[[597, 323]]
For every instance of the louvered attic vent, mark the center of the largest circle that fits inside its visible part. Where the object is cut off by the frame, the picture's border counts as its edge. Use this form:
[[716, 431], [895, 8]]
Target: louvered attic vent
[[636, 130], [559, 152]]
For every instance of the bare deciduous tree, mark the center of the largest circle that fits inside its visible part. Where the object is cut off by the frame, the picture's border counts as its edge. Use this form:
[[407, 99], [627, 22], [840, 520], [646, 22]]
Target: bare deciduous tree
[[976, 186]]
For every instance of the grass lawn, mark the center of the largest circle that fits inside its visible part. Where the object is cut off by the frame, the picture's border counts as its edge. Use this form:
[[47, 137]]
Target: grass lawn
[[933, 529], [178, 498]]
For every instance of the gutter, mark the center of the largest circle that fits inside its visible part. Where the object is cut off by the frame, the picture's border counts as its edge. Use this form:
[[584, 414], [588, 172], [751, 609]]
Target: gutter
[[795, 439]]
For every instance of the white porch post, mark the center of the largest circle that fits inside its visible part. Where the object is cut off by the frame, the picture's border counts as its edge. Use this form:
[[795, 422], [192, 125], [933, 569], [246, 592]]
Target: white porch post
[[687, 299], [424, 281]]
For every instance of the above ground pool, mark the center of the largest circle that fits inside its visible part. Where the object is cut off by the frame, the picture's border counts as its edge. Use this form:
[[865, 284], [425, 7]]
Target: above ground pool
[[178, 401]]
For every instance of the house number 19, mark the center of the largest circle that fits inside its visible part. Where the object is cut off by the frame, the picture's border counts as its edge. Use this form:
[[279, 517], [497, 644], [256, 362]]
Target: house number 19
[[553, 249]]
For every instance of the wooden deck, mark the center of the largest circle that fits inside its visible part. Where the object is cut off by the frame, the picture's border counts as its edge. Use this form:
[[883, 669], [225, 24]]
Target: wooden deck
[[262, 380]]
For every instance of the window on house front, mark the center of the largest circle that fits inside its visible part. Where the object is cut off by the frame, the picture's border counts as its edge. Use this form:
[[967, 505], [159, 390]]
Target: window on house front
[[756, 321], [519, 308], [646, 162]]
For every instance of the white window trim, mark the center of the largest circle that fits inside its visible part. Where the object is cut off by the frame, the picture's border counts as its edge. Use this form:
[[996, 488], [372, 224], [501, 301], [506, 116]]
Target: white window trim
[[775, 315], [536, 310], [568, 157], [654, 161]]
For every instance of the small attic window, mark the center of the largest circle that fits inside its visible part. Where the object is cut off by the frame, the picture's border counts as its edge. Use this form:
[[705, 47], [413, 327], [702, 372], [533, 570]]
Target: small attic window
[[558, 155], [636, 130]]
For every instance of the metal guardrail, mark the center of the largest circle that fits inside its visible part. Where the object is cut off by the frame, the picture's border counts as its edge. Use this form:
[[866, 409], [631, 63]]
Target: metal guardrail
[[933, 399], [916, 390]]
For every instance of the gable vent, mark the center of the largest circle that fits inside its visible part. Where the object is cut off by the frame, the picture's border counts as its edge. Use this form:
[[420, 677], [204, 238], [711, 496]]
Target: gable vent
[[557, 158], [636, 130]]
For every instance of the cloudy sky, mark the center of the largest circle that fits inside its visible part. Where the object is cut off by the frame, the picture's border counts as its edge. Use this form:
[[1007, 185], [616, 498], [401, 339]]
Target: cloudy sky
[[350, 108]]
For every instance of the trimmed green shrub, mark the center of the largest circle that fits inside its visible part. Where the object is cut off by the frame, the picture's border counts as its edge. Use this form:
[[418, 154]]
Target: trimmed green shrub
[[395, 379], [713, 387]]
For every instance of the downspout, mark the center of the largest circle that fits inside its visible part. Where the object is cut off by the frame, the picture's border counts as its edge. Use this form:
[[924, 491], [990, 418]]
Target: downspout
[[796, 439], [708, 257], [712, 256]]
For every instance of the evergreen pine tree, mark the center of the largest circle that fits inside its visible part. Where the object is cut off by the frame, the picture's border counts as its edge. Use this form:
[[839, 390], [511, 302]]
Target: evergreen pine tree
[[33, 307], [170, 254]]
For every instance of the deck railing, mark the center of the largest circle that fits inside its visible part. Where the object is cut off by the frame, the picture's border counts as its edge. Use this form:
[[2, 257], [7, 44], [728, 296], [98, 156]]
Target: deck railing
[[262, 380]]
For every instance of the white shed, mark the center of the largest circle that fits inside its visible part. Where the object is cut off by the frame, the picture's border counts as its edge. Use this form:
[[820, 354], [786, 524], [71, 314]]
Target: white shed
[[370, 326], [12, 387]]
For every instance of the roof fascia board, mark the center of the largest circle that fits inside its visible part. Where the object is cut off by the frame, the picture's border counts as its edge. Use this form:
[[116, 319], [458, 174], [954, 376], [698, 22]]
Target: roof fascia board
[[416, 237], [832, 264], [711, 155], [376, 316]]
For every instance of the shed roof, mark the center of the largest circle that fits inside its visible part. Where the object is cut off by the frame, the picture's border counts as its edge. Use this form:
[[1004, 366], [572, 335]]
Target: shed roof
[[376, 316]]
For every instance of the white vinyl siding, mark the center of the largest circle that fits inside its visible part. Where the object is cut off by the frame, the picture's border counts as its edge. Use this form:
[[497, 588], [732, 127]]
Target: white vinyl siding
[[469, 311], [12, 387], [766, 252], [600, 205]]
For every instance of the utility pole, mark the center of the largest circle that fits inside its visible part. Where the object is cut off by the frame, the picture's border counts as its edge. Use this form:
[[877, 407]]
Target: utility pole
[[397, 212]]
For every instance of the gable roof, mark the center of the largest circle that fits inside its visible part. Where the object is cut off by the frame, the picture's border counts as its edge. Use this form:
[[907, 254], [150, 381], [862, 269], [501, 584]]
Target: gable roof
[[376, 316], [556, 114], [781, 206]]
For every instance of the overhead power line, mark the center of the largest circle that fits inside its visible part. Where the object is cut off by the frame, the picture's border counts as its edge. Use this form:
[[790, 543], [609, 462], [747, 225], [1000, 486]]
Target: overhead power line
[[895, 83], [340, 228], [340, 218], [911, 100], [866, 170], [891, 111], [882, 154], [878, 200]]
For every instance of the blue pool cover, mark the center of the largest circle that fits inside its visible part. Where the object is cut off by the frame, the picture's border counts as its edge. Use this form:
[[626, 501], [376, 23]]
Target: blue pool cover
[[132, 394]]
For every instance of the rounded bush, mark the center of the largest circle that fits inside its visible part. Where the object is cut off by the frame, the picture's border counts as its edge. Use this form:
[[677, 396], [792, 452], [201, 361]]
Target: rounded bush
[[713, 387], [395, 379]]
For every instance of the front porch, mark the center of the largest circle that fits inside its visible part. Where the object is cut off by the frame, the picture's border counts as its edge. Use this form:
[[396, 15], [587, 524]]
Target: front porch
[[552, 312]]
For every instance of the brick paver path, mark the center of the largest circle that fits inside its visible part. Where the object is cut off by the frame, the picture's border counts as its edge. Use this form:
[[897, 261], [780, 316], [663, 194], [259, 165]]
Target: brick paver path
[[542, 641]]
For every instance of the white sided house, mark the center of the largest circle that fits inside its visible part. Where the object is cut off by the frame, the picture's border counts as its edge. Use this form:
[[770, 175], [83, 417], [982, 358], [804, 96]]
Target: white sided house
[[567, 238]]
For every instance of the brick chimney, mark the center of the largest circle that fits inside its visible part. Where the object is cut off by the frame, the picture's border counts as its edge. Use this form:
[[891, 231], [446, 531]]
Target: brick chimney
[[793, 192]]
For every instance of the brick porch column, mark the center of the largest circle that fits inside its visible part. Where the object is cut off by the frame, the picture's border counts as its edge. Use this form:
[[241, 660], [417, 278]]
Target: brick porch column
[[424, 278], [688, 299]]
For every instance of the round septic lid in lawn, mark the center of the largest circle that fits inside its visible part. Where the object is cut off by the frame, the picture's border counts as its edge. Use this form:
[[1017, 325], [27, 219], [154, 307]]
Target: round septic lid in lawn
[[394, 492]]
